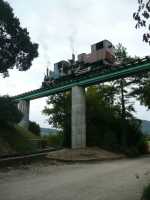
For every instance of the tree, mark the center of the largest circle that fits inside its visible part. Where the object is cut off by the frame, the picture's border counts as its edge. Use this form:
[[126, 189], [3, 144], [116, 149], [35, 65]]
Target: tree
[[9, 112], [100, 114], [16, 48], [104, 123], [141, 90], [34, 128], [59, 114], [142, 17], [122, 88], [122, 84]]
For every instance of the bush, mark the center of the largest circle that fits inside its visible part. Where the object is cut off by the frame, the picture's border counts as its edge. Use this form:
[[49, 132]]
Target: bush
[[53, 139], [19, 139], [111, 133], [9, 112], [132, 152], [144, 146], [146, 193], [44, 143], [34, 128]]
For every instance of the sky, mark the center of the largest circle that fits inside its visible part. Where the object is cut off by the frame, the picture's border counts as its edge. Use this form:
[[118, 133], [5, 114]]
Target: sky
[[59, 26]]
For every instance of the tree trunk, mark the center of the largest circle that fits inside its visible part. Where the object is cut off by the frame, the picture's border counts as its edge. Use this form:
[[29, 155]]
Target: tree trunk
[[67, 122], [123, 116]]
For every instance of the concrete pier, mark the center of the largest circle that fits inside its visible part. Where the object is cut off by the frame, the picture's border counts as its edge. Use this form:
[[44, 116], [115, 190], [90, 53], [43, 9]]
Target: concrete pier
[[78, 118], [24, 107]]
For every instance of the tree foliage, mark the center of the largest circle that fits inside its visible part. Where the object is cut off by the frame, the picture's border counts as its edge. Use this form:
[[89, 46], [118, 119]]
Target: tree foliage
[[16, 48], [104, 124], [58, 110], [9, 112], [34, 128], [123, 92], [141, 90], [146, 193], [58, 104], [122, 85], [142, 18]]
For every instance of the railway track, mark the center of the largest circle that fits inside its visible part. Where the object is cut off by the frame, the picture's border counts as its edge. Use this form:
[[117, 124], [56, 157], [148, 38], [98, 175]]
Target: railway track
[[93, 77], [25, 158]]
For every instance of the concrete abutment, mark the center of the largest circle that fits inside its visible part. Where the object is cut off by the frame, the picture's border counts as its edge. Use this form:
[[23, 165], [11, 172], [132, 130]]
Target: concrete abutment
[[24, 107]]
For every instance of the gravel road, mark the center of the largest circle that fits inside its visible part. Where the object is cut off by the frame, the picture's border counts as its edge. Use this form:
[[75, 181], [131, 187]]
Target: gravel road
[[114, 180]]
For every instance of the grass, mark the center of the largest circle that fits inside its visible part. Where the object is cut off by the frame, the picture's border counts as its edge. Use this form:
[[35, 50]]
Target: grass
[[146, 193], [4, 147], [17, 139]]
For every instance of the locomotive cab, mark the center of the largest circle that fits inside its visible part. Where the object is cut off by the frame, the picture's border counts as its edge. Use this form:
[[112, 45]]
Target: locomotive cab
[[105, 51], [105, 44], [102, 51]]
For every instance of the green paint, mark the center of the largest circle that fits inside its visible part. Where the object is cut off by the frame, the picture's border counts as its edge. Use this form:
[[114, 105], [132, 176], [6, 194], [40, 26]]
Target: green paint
[[122, 72]]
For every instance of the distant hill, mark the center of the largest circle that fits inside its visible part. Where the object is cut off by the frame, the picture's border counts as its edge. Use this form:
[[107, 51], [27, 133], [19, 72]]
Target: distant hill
[[145, 126], [46, 131]]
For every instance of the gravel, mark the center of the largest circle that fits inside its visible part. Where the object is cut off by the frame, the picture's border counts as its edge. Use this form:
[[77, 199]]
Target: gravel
[[111, 180]]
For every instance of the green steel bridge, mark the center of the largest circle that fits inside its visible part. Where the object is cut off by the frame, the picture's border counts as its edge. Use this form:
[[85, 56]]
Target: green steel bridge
[[122, 71]]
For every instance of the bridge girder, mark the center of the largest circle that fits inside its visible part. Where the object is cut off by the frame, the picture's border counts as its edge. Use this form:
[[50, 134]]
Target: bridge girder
[[84, 81]]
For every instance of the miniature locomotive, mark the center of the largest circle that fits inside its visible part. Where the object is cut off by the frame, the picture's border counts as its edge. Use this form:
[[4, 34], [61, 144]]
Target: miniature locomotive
[[102, 56]]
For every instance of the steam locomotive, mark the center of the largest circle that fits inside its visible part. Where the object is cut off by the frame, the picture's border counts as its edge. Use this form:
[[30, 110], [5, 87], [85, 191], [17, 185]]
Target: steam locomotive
[[102, 56]]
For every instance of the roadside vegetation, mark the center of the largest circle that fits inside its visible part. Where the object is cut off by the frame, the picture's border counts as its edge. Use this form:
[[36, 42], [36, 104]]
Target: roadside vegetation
[[18, 140], [52, 140], [146, 193], [13, 138], [34, 128]]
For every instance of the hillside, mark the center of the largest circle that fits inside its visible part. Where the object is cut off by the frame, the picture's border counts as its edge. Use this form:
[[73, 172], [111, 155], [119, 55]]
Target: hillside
[[46, 131], [145, 126], [5, 148], [16, 140]]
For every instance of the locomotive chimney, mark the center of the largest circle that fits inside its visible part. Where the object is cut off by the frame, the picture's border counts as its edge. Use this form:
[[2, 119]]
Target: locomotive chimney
[[73, 57], [47, 72]]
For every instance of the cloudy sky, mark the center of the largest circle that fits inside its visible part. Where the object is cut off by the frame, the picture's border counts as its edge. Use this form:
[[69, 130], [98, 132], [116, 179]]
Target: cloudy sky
[[60, 25]]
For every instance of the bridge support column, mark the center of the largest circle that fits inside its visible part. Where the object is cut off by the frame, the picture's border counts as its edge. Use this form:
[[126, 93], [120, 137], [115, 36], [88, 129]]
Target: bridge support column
[[24, 107], [78, 118]]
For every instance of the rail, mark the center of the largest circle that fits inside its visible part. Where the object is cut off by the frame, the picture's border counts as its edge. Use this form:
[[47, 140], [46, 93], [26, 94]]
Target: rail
[[23, 157], [122, 71]]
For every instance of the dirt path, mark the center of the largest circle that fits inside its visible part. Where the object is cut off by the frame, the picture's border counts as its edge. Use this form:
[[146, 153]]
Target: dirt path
[[118, 180]]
